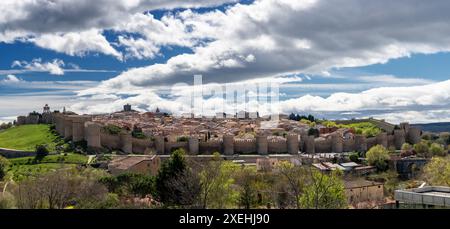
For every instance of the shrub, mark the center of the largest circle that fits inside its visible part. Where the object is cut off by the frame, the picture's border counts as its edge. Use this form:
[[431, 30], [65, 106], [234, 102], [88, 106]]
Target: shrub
[[378, 157], [4, 163], [437, 150], [354, 157], [182, 139], [41, 151], [112, 129], [406, 147], [422, 149], [392, 150], [313, 132], [308, 122], [138, 135]]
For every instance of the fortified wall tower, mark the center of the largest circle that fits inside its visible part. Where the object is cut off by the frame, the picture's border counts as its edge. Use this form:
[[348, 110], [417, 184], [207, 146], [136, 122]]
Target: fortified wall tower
[[228, 144], [126, 142], [399, 138], [68, 127], [337, 143], [360, 143], [159, 144], [92, 135], [80, 128], [262, 144], [193, 145], [309, 145], [292, 143], [414, 135], [382, 139]]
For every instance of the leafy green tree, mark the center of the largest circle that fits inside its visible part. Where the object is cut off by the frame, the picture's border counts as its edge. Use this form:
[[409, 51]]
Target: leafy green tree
[[7, 200], [354, 157], [329, 123], [247, 180], [324, 191], [143, 185], [41, 151], [308, 122], [295, 177], [217, 183], [112, 129], [378, 156], [406, 147], [4, 163], [313, 132], [437, 171], [438, 150], [208, 175], [59, 189], [130, 184], [169, 171], [422, 149]]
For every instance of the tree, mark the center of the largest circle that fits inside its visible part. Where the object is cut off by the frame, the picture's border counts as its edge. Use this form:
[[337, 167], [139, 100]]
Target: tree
[[444, 138], [59, 189], [438, 150], [7, 200], [313, 132], [217, 184], [406, 147], [142, 185], [324, 191], [292, 116], [295, 178], [247, 180], [135, 184], [169, 170], [422, 149], [41, 151], [354, 157], [4, 163], [437, 171], [378, 156], [210, 172], [186, 189]]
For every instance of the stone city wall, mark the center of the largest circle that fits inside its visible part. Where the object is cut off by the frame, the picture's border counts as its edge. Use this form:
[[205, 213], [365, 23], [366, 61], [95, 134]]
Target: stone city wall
[[210, 147], [80, 128], [172, 146], [349, 145], [371, 142], [322, 145], [141, 145], [277, 146], [245, 146], [111, 142]]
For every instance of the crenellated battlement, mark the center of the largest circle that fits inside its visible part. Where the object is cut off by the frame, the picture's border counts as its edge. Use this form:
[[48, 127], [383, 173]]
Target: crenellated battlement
[[78, 128]]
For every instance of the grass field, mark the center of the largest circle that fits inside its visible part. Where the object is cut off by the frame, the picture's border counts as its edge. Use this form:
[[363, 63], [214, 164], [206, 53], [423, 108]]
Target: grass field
[[20, 172], [26, 137], [21, 168], [70, 158]]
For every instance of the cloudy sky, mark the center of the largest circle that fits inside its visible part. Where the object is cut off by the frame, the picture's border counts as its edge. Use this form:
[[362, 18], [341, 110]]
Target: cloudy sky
[[334, 58]]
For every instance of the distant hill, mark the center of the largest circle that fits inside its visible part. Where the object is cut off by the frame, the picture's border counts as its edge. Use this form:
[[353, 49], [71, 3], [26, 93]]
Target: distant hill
[[434, 127]]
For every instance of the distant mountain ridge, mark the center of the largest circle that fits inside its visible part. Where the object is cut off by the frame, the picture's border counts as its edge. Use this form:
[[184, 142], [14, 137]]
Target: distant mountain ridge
[[434, 127]]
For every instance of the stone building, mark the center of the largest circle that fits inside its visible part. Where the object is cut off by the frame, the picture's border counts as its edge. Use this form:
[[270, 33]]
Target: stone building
[[359, 191]]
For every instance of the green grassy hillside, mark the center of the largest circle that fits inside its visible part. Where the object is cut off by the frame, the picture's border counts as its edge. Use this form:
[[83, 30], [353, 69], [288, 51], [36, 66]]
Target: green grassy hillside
[[24, 167], [69, 158], [26, 137]]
